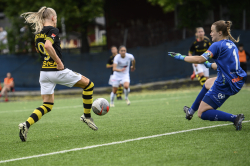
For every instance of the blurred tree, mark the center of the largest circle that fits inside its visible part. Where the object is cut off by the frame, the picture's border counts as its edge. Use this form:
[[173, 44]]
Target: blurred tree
[[193, 13], [78, 14]]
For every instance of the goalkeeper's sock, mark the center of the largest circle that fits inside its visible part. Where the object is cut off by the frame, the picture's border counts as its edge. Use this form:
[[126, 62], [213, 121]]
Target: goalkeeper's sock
[[198, 100], [112, 97], [216, 115]]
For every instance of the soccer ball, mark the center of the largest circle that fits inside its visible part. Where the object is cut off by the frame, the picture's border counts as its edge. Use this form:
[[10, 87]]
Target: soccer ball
[[100, 106]]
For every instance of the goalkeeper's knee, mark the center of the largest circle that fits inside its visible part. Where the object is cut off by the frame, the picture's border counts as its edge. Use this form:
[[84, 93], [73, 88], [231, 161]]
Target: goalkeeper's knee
[[202, 80]]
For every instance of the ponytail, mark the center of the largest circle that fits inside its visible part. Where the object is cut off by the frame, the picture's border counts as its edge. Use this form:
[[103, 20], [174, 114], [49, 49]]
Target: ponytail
[[229, 24], [36, 19]]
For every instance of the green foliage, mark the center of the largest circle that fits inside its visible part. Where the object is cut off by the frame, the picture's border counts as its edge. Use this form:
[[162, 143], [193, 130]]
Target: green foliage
[[193, 13], [78, 14], [167, 5]]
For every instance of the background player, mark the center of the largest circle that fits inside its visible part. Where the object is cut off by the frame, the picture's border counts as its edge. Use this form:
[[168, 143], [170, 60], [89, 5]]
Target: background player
[[53, 71], [230, 77], [8, 86], [199, 46], [244, 56], [110, 65], [121, 73]]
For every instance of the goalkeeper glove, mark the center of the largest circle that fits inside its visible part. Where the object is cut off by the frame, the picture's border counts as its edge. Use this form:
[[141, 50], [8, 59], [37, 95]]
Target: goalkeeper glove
[[177, 56], [208, 64]]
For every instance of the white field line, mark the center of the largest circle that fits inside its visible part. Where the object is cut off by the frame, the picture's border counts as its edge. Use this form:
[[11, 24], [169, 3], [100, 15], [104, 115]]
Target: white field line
[[78, 106], [114, 143]]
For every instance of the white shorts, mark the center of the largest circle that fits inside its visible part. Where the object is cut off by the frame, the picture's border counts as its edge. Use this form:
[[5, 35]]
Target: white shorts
[[116, 81], [49, 79], [201, 68], [110, 79]]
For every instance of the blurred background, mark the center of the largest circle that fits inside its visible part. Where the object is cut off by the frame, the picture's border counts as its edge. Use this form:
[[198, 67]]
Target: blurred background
[[88, 28]]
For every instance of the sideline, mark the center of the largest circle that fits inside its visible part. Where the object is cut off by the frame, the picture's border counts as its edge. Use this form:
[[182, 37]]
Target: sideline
[[115, 143]]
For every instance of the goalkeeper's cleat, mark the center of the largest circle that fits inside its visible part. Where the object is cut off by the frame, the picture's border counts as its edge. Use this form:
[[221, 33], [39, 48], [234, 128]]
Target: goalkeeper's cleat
[[23, 131], [188, 115], [112, 105], [238, 121], [127, 101], [89, 122]]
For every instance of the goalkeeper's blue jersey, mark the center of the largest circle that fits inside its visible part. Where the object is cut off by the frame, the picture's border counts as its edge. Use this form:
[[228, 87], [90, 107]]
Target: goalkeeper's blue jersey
[[230, 76]]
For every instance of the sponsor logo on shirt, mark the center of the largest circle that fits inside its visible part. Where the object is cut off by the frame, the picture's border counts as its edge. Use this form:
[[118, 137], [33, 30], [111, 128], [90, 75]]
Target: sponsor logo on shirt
[[234, 80]]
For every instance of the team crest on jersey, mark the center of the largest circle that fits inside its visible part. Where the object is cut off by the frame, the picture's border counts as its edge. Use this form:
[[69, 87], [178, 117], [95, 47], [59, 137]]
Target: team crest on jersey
[[221, 96], [53, 35]]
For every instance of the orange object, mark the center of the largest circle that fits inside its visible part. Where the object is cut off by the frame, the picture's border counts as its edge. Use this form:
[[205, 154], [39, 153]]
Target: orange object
[[192, 76], [8, 80], [242, 56]]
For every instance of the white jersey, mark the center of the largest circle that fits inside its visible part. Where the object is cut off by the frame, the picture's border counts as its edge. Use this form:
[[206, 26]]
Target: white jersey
[[121, 63], [3, 34]]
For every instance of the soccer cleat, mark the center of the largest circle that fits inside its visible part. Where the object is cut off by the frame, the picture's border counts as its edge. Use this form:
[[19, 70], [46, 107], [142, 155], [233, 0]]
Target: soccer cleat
[[192, 76], [127, 101], [238, 121], [188, 116], [6, 100], [112, 105], [23, 131], [89, 122]]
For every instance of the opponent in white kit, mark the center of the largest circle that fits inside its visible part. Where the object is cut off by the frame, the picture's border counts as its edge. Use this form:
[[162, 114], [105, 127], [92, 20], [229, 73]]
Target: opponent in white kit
[[121, 73]]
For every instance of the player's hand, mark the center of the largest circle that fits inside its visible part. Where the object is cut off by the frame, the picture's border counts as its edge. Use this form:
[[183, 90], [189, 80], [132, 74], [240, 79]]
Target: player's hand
[[132, 68], [123, 69], [60, 66], [208, 64], [177, 56]]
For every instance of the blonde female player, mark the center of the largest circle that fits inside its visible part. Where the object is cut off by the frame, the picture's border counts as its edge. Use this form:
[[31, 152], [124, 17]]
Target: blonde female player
[[121, 73], [53, 71]]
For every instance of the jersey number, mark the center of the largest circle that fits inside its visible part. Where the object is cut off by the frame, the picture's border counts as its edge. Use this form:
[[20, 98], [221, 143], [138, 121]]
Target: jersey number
[[236, 59], [42, 49]]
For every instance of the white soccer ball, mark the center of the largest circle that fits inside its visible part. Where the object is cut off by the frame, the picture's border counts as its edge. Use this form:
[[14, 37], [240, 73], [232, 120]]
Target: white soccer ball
[[100, 106]]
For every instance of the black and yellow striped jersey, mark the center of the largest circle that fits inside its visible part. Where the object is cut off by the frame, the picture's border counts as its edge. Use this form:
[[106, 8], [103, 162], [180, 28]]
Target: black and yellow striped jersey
[[110, 62], [199, 47], [52, 34]]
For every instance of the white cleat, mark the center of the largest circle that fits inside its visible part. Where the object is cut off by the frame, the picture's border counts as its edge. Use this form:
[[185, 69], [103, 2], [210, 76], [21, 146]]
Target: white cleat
[[23, 131], [127, 101], [89, 122], [112, 105]]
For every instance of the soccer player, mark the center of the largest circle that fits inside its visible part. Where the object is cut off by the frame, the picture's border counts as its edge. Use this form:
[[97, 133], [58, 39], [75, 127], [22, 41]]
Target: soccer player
[[229, 81], [53, 72], [110, 65], [121, 73], [199, 46]]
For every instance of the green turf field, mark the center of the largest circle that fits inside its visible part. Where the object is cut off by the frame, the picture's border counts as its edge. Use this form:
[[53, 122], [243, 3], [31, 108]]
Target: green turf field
[[150, 113]]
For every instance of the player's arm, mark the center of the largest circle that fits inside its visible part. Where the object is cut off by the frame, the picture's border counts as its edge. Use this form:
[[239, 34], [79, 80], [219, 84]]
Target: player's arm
[[115, 68], [210, 65], [190, 59], [109, 65], [52, 53], [133, 65]]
